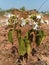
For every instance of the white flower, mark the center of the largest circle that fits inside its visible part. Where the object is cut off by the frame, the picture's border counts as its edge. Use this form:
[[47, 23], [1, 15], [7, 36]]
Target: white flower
[[8, 15], [35, 26], [23, 23], [39, 16]]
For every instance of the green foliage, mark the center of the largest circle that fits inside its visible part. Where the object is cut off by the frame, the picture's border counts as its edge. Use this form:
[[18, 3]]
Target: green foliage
[[28, 40], [22, 8], [12, 20], [21, 49], [27, 44], [40, 37], [33, 16], [24, 43], [19, 35], [30, 36], [10, 36], [2, 12]]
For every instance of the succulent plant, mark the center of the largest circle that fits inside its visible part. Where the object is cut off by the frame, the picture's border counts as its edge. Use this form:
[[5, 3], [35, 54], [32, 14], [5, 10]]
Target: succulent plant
[[28, 40], [10, 36], [21, 49], [24, 43], [12, 20], [40, 36], [28, 45]]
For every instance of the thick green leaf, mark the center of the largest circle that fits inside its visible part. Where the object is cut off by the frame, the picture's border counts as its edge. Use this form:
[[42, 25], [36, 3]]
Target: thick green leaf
[[22, 48], [24, 43], [38, 39], [10, 36], [40, 36], [27, 44], [30, 37], [28, 47], [19, 35]]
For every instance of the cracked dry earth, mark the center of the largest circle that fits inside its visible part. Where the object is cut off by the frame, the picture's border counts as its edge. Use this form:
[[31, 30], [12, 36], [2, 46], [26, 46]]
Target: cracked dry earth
[[40, 55]]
